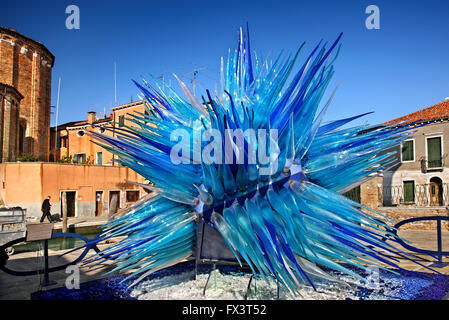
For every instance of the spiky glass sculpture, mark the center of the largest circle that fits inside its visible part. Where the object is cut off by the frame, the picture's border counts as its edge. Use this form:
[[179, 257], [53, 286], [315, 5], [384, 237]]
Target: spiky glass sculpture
[[284, 222]]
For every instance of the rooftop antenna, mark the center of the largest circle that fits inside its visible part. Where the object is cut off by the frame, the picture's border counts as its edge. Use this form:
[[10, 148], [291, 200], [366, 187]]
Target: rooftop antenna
[[195, 73], [115, 83], [162, 77], [56, 124]]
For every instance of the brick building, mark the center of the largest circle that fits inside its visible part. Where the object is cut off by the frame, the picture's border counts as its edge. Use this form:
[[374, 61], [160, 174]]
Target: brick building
[[10, 131], [25, 96]]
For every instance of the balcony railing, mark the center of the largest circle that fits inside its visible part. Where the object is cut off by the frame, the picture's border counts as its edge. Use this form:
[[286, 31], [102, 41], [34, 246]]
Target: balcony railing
[[421, 196], [432, 165]]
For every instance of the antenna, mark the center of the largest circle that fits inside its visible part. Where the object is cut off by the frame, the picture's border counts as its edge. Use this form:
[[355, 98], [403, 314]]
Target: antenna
[[56, 124], [162, 77], [115, 83], [195, 73], [163, 82]]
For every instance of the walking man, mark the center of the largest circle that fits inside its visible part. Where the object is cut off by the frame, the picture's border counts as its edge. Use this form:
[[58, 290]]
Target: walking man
[[46, 209]]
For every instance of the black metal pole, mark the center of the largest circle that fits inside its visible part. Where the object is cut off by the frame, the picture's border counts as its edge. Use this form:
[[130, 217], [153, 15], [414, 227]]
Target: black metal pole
[[46, 276], [440, 251], [199, 243]]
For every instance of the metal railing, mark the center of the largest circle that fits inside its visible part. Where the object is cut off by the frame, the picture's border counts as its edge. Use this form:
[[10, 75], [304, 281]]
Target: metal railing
[[421, 197], [439, 253], [432, 165]]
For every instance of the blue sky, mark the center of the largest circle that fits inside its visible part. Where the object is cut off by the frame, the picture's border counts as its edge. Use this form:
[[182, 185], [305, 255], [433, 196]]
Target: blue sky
[[398, 69]]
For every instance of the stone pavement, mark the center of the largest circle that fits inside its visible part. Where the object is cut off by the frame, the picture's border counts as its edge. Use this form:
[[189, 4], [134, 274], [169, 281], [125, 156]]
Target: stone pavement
[[12, 287], [427, 240], [21, 287]]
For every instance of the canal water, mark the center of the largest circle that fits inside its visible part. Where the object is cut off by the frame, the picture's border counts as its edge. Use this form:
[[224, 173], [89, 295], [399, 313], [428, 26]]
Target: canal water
[[62, 243]]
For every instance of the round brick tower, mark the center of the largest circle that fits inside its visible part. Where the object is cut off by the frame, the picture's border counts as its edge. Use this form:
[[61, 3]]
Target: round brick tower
[[25, 65]]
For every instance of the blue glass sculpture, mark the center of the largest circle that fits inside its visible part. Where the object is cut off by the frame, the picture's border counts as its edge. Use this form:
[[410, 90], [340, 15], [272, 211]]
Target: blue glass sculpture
[[283, 223]]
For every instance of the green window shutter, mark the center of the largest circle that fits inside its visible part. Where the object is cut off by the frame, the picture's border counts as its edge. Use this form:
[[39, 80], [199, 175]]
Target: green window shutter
[[434, 152], [409, 191], [121, 121], [407, 151], [99, 158], [353, 194]]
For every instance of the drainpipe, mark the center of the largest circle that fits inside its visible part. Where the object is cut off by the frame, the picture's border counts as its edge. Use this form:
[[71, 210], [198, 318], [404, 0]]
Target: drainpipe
[[64, 211]]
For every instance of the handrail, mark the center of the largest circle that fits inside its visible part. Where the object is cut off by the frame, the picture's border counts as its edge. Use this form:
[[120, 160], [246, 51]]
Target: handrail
[[55, 235], [439, 253]]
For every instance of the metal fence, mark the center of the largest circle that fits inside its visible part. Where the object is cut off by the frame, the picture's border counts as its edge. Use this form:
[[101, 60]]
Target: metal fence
[[422, 195]]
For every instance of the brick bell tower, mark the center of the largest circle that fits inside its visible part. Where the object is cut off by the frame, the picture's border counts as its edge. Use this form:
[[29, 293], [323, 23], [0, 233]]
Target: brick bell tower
[[25, 96]]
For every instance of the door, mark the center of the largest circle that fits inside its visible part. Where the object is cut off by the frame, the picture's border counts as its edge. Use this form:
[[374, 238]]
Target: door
[[68, 204], [98, 203], [114, 201], [436, 192]]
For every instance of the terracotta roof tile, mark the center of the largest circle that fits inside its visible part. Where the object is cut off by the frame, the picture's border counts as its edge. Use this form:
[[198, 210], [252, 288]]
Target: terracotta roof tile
[[435, 112]]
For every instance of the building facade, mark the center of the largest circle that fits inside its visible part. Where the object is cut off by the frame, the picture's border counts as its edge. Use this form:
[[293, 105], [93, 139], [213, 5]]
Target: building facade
[[421, 177], [91, 184], [70, 141], [84, 190], [26, 66]]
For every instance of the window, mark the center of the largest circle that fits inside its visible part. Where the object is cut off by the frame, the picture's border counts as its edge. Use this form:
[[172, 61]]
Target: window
[[409, 191], [79, 158], [22, 131], [99, 158], [64, 142], [408, 152], [434, 152], [61, 142], [132, 195], [80, 133], [121, 121], [353, 194]]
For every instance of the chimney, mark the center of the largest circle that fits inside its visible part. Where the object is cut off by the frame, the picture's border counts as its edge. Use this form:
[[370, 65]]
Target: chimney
[[91, 116]]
